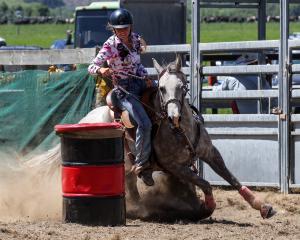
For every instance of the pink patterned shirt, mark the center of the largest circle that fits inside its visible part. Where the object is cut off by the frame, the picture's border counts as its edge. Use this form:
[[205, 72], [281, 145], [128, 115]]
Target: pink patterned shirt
[[120, 58]]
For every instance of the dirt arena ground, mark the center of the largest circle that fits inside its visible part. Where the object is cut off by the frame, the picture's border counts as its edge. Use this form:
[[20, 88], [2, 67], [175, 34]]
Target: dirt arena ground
[[31, 208], [233, 219]]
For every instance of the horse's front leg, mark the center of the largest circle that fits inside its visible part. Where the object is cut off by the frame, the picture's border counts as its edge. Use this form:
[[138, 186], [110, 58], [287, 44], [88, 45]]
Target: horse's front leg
[[186, 174], [214, 159], [131, 183]]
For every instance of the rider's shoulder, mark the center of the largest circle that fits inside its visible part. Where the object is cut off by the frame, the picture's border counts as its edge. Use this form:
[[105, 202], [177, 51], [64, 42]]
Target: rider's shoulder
[[110, 41]]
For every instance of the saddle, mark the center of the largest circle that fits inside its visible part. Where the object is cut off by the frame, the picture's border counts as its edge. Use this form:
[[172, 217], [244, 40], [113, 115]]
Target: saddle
[[122, 116]]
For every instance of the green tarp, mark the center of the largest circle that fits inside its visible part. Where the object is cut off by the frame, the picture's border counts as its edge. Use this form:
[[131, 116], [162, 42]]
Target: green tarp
[[33, 102]]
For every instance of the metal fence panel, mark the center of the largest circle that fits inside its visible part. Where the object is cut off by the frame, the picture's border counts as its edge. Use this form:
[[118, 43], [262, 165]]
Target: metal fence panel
[[249, 146], [295, 143], [296, 152]]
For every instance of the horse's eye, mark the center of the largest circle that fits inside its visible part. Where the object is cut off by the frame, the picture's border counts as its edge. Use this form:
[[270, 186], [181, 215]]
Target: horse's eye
[[162, 89]]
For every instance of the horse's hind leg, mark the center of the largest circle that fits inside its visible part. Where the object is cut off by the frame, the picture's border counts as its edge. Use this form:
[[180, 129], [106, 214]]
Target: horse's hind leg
[[186, 174], [216, 162]]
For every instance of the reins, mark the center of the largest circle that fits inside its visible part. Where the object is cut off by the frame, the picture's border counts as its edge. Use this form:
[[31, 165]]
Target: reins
[[163, 114], [178, 130], [158, 114]]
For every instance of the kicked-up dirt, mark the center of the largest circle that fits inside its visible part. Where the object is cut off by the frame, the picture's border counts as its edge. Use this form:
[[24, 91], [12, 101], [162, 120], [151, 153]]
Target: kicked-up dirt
[[232, 219], [31, 208]]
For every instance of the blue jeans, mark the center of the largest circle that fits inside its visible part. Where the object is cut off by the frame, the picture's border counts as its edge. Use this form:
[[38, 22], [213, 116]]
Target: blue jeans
[[138, 113]]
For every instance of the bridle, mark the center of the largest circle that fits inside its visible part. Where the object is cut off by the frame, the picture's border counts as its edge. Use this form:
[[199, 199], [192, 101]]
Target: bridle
[[178, 130], [161, 115], [179, 102]]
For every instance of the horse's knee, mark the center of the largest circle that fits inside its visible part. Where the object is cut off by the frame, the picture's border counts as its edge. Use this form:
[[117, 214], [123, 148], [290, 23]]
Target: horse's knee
[[186, 174]]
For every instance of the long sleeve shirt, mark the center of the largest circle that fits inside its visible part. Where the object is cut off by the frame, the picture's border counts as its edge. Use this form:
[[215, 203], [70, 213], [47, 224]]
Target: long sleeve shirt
[[120, 58], [240, 83]]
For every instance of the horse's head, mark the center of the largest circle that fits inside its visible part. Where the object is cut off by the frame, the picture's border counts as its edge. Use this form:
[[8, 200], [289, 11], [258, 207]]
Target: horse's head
[[172, 89]]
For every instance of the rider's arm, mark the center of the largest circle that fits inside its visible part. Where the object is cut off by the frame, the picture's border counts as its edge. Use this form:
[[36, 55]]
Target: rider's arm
[[143, 45], [104, 54], [142, 72]]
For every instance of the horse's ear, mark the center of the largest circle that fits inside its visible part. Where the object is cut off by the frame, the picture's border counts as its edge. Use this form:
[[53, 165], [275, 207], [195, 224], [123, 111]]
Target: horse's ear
[[178, 63], [158, 68]]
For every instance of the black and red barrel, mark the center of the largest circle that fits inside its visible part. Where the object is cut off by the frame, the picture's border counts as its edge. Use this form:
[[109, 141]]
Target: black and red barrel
[[93, 175]]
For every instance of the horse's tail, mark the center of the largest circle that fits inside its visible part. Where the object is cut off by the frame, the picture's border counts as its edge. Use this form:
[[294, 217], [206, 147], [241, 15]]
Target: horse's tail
[[98, 115], [49, 162]]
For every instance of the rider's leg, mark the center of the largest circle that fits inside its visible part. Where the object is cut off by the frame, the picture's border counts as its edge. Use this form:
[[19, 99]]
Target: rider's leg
[[143, 136]]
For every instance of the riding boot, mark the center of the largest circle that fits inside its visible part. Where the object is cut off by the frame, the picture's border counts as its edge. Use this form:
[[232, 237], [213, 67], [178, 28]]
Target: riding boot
[[144, 172], [146, 176]]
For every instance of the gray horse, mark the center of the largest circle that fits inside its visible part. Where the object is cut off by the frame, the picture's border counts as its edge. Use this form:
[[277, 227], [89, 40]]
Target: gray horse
[[180, 138]]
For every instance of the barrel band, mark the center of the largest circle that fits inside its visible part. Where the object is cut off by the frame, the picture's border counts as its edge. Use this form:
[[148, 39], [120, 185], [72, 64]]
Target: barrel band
[[93, 180], [92, 151]]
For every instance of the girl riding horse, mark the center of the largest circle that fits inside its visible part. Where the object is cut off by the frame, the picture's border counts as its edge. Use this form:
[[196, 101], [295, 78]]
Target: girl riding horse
[[122, 54]]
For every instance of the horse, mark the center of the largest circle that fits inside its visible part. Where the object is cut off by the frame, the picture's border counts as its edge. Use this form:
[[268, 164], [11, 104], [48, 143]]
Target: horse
[[181, 138]]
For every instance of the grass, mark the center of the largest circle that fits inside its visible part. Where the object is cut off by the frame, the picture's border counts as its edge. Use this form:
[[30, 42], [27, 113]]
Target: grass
[[41, 35], [230, 32], [44, 35]]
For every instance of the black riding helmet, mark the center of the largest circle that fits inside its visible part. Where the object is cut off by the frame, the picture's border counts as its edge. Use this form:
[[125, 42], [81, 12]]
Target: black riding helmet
[[120, 18]]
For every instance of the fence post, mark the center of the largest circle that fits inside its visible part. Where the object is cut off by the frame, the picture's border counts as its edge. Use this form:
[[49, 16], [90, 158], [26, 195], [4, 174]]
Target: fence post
[[195, 84], [284, 96], [262, 18]]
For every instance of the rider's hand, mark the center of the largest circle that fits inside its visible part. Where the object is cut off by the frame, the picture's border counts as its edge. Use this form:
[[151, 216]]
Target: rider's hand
[[105, 72], [148, 82]]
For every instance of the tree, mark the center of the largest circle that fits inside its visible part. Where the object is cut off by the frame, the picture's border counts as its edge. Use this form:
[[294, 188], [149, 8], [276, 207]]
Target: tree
[[3, 7], [49, 3], [28, 11], [43, 10], [53, 3], [19, 8]]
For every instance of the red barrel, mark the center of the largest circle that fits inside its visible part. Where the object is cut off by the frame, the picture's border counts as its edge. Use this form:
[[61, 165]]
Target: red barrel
[[93, 175]]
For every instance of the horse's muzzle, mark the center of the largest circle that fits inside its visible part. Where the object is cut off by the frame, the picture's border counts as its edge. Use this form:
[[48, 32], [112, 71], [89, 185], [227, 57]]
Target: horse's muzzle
[[175, 121]]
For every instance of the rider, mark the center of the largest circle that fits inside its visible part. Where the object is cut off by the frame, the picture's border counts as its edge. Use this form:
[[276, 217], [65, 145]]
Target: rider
[[121, 53]]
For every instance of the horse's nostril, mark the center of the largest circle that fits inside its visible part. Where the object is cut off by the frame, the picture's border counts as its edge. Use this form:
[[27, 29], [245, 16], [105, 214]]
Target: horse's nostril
[[179, 119], [170, 119]]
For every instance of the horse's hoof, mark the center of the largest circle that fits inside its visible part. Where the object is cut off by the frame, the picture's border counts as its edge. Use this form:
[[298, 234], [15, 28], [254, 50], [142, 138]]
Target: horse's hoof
[[267, 211]]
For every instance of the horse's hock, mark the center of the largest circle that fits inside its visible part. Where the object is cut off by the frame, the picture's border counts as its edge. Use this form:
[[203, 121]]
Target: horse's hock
[[93, 173]]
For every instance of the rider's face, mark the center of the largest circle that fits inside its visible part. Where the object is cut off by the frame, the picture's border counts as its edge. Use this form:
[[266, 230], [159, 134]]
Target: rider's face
[[123, 33]]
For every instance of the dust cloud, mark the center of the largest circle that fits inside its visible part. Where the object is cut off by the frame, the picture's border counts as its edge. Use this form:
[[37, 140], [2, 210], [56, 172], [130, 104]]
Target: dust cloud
[[169, 200], [30, 188]]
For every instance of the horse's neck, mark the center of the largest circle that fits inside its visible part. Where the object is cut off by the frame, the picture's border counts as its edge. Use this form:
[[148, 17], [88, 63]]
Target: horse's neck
[[156, 102], [187, 119]]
